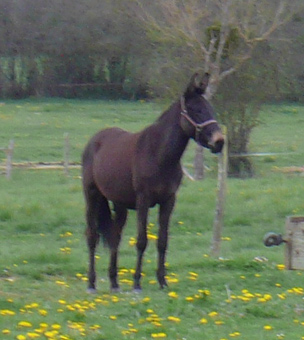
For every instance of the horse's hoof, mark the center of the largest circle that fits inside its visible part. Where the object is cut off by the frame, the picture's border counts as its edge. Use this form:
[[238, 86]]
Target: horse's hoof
[[91, 290], [162, 283], [137, 290], [163, 286], [115, 290]]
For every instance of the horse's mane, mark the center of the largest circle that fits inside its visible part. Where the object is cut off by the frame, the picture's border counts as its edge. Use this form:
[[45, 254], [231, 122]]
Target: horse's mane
[[169, 114]]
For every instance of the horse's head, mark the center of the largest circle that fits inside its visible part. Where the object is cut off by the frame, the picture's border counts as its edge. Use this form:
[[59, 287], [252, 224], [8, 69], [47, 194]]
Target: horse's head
[[198, 120]]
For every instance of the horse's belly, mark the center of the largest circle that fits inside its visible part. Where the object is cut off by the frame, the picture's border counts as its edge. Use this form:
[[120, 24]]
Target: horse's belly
[[117, 188]]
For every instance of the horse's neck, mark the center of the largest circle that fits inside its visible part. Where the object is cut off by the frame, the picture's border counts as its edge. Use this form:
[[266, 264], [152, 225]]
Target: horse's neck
[[172, 140]]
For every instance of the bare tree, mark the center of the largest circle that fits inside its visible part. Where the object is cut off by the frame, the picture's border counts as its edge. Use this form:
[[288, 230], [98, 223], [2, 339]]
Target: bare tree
[[219, 35]]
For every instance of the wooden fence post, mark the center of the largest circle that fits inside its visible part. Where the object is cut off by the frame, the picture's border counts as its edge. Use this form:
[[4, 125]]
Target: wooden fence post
[[9, 159], [221, 195], [66, 153], [198, 163]]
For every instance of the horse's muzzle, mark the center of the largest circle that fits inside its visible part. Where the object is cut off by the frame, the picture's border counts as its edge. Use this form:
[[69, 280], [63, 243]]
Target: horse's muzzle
[[217, 142]]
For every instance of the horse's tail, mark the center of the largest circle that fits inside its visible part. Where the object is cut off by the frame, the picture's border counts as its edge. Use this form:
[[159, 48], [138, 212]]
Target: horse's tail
[[104, 221], [99, 215]]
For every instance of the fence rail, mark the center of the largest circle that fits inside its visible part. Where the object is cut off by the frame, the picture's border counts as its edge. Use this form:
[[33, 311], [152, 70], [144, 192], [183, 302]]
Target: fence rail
[[66, 164]]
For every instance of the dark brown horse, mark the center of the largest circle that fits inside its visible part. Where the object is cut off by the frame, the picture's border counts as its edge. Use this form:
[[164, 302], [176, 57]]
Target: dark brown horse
[[140, 170]]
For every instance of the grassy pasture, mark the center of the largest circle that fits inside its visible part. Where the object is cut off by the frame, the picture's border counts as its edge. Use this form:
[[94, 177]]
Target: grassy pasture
[[43, 257]]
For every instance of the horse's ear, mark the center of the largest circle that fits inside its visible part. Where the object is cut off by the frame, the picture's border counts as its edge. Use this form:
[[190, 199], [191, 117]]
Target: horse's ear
[[197, 84]]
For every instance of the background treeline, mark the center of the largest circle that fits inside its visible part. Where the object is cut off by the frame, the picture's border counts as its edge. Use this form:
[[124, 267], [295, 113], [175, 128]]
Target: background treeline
[[93, 48]]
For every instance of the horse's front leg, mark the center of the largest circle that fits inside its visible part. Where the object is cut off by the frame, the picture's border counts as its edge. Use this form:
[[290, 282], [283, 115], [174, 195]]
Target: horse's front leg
[[142, 207], [165, 211]]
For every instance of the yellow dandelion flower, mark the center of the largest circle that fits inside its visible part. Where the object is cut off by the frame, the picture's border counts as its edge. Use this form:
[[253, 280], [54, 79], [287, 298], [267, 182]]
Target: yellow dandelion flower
[[95, 327], [204, 292], [213, 314], [192, 278], [56, 326], [49, 334], [152, 237], [158, 335], [226, 238], [32, 335], [133, 330], [189, 298], [298, 290], [219, 322], [280, 266], [21, 337], [25, 324], [6, 331], [60, 283], [203, 321], [172, 279], [173, 295], [267, 328], [146, 299], [43, 325], [7, 312], [234, 334], [32, 305], [43, 312], [132, 241], [193, 274], [113, 317], [115, 299], [244, 298], [174, 319]]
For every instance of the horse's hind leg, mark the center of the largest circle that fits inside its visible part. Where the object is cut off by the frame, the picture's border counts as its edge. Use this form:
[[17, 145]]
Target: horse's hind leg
[[97, 208], [165, 211], [92, 235], [119, 222]]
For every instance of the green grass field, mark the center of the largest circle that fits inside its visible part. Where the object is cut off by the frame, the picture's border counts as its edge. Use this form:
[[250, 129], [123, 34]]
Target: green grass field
[[244, 295]]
